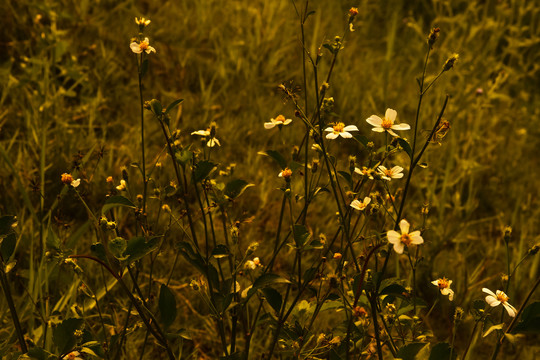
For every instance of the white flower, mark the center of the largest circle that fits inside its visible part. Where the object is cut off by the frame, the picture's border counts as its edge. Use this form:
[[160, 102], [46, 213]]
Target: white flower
[[405, 238], [444, 286], [356, 204], [250, 265], [207, 133], [285, 173], [387, 123], [279, 120], [76, 183], [74, 355], [122, 185], [139, 47], [339, 129], [499, 298], [364, 171], [388, 174]]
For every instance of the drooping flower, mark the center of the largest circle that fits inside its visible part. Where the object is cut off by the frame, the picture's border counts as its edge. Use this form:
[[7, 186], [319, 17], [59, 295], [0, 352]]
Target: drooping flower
[[388, 174], [360, 205], [279, 120], [339, 129], [444, 287], [386, 123], [495, 299], [208, 133], [139, 47], [405, 238]]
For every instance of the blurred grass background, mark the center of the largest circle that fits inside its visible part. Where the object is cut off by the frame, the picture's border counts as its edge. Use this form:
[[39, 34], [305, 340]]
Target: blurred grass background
[[69, 87]]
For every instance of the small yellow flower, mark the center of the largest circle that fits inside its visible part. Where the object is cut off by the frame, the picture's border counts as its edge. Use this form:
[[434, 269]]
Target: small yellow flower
[[285, 173], [353, 11], [142, 22], [337, 256], [339, 129], [444, 287], [110, 179], [139, 47], [499, 298], [386, 123], [278, 121], [360, 205], [122, 185], [405, 238], [66, 178]]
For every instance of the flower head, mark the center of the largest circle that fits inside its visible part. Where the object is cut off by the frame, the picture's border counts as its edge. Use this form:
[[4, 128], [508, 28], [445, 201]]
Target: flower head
[[388, 174], [495, 299], [360, 205], [386, 123], [286, 174], [74, 355], [142, 22], [339, 129], [68, 180], [209, 133], [450, 62], [278, 121], [405, 238], [444, 287], [365, 171], [139, 47], [122, 185]]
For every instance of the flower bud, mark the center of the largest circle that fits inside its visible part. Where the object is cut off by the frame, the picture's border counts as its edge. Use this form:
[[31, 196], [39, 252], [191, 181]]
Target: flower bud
[[450, 62]]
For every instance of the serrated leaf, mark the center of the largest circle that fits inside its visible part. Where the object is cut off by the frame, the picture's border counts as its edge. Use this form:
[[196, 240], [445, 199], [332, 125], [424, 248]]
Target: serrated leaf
[[276, 156], [406, 146], [202, 170], [173, 105], [98, 250], [117, 246], [529, 319], [116, 201], [301, 235], [441, 351], [138, 247], [235, 188], [408, 352], [167, 306]]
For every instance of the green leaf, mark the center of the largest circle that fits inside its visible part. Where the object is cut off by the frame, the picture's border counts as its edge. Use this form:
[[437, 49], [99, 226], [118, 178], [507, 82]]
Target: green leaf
[[361, 139], [493, 328], [238, 355], [183, 157], [63, 334], [138, 247], [37, 353], [173, 105], [269, 279], [405, 145], [529, 320], [52, 242], [408, 352], [167, 306], [116, 201], [276, 156], [273, 297], [8, 246], [117, 246], [394, 289], [441, 351], [98, 250], [235, 188], [347, 176], [301, 235], [309, 274], [156, 107], [202, 169], [329, 48]]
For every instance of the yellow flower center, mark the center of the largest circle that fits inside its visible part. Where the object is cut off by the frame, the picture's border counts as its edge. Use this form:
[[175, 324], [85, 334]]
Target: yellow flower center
[[388, 172], [443, 283], [280, 118], [386, 124], [144, 45], [502, 297], [286, 173], [338, 128], [67, 178], [406, 239]]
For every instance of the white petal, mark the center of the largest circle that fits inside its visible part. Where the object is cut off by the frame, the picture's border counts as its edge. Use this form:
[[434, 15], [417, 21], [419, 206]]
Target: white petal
[[367, 200], [330, 129], [331, 136], [398, 247], [378, 129], [358, 171], [350, 128], [345, 135], [150, 49], [401, 126], [397, 169], [450, 294], [76, 183], [135, 48], [390, 114], [392, 133], [510, 309], [382, 168], [492, 301], [404, 226], [416, 238], [435, 282], [487, 291], [269, 125], [393, 237], [201, 132], [356, 204], [397, 176], [287, 122], [374, 120]]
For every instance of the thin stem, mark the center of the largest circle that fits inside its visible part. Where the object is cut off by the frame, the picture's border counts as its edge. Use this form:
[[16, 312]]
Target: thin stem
[[145, 182]]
